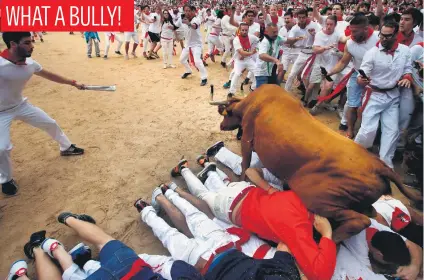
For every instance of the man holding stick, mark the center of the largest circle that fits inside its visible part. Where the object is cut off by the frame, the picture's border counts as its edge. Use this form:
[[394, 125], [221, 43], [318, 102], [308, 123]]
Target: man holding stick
[[16, 68]]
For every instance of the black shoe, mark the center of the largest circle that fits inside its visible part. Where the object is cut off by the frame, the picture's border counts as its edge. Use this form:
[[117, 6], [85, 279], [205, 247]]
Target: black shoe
[[80, 254], [230, 95], [98, 55], [223, 64], [312, 103], [42, 41], [204, 82], [239, 133], [89, 56], [72, 151], [176, 171], [212, 150], [203, 175], [246, 81], [163, 188], [83, 217], [185, 75], [34, 241], [9, 188], [342, 127], [242, 87], [118, 52], [140, 204]]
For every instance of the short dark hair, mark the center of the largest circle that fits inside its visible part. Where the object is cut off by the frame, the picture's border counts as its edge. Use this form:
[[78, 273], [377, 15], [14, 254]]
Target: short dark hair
[[302, 12], [340, 4], [373, 20], [392, 17], [359, 19], [333, 18], [192, 8], [243, 24], [392, 246], [250, 12], [289, 14], [416, 15], [14, 37], [391, 24], [271, 24], [364, 4], [309, 9], [220, 14]]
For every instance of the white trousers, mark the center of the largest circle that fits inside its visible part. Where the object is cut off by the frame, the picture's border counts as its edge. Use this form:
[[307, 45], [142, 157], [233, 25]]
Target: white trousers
[[239, 67], [214, 41], [221, 177], [407, 106], [107, 40], [226, 40], [233, 161], [33, 116], [288, 59], [145, 40], [179, 246], [344, 118], [220, 202], [381, 107], [297, 66], [167, 51], [197, 53]]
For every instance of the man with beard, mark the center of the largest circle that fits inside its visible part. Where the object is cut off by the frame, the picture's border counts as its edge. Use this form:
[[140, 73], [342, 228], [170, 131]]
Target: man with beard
[[193, 51], [362, 39], [387, 66], [16, 68]]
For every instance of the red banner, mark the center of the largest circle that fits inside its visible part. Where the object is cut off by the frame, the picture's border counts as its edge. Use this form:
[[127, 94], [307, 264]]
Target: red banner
[[67, 15]]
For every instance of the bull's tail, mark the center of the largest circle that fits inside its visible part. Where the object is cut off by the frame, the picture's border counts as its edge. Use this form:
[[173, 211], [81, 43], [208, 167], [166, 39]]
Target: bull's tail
[[413, 195]]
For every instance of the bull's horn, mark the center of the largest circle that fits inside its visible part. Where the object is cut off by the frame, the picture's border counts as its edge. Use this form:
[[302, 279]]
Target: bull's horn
[[217, 103]]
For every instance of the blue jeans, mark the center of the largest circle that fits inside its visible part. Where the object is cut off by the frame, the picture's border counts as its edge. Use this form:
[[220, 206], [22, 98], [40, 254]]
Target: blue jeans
[[260, 80], [116, 261], [354, 92]]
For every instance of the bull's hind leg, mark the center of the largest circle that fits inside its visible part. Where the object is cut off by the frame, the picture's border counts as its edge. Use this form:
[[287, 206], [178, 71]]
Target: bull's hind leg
[[350, 223]]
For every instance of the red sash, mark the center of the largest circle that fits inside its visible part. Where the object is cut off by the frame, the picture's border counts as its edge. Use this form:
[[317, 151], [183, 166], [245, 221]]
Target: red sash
[[261, 251], [6, 55], [112, 38], [136, 267], [402, 39], [191, 59], [399, 220], [245, 42], [340, 86], [309, 64], [242, 234]]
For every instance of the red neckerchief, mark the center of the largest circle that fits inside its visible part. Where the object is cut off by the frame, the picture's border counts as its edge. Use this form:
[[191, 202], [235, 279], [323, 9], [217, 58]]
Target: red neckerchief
[[148, 13], [274, 19], [421, 44], [341, 46], [370, 32], [402, 39], [369, 233], [340, 18], [280, 13], [308, 21], [6, 55], [245, 42], [391, 51]]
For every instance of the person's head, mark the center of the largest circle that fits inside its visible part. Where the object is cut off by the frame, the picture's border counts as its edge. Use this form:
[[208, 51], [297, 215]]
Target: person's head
[[388, 248], [244, 29], [330, 24], [261, 19], [238, 10], [288, 19], [166, 16], [409, 19], [392, 17], [359, 27], [363, 7], [208, 12], [175, 10], [189, 11], [19, 43], [302, 16], [250, 16], [388, 34], [271, 31], [158, 9], [146, 9], [279, 6], [254, 8], [310, 13], [338, 9], [374, 21], [273, 10], [220, 14]]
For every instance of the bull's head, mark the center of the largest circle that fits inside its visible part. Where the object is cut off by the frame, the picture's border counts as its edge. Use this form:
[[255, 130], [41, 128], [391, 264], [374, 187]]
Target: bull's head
[[226, 108]]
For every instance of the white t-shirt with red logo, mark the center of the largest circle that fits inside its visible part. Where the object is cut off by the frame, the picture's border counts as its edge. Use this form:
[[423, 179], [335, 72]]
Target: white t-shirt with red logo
[[386, 206]]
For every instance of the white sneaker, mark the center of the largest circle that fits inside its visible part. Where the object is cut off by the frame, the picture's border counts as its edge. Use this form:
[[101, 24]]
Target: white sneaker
[[49, 245], [172, 66], [18, 269], [126, 57], [165, 66]]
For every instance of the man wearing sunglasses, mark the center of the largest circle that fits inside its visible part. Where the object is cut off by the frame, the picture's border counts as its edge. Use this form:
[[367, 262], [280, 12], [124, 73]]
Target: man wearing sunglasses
[[387, 67]]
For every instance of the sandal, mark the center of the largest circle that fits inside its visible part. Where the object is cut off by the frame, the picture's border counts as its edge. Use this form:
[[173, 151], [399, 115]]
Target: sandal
[[202, 159]]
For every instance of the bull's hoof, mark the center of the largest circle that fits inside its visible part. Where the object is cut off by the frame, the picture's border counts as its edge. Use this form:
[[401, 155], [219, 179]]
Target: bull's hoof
[[239, 133]]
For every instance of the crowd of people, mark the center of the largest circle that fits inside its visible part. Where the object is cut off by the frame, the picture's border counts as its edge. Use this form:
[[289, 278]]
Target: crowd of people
[[368, 56]]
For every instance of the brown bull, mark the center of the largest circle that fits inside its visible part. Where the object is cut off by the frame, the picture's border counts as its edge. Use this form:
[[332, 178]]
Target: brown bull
[[334, 176]]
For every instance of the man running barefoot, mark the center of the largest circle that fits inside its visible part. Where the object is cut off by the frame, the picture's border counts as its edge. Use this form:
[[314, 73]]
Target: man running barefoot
[[16, 68]]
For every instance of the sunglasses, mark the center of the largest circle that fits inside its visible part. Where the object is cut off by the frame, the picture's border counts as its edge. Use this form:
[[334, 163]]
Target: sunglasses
[[386, 36]]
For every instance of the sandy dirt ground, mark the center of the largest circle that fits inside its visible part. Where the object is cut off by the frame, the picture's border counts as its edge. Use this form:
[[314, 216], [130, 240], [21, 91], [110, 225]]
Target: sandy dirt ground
[[132, 138]]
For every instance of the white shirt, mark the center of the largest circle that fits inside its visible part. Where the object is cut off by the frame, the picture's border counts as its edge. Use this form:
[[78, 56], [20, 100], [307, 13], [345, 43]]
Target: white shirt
[[13, 79], [340, 26], [264, 68], [254, 41], [284, 34], [358, 50], [145, 22], [209, 21], [386, 205], [358, 245], [167, 33], [296, 31], [386, 70], [193, 36], [255, 28], [216, 27], [227, 28], [238, 18], [349, 268], [156, 25], [327, 59]]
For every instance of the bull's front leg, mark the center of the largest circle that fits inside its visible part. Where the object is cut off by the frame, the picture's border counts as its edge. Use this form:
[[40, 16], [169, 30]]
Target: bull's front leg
[[246, 150], [351, 223]]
